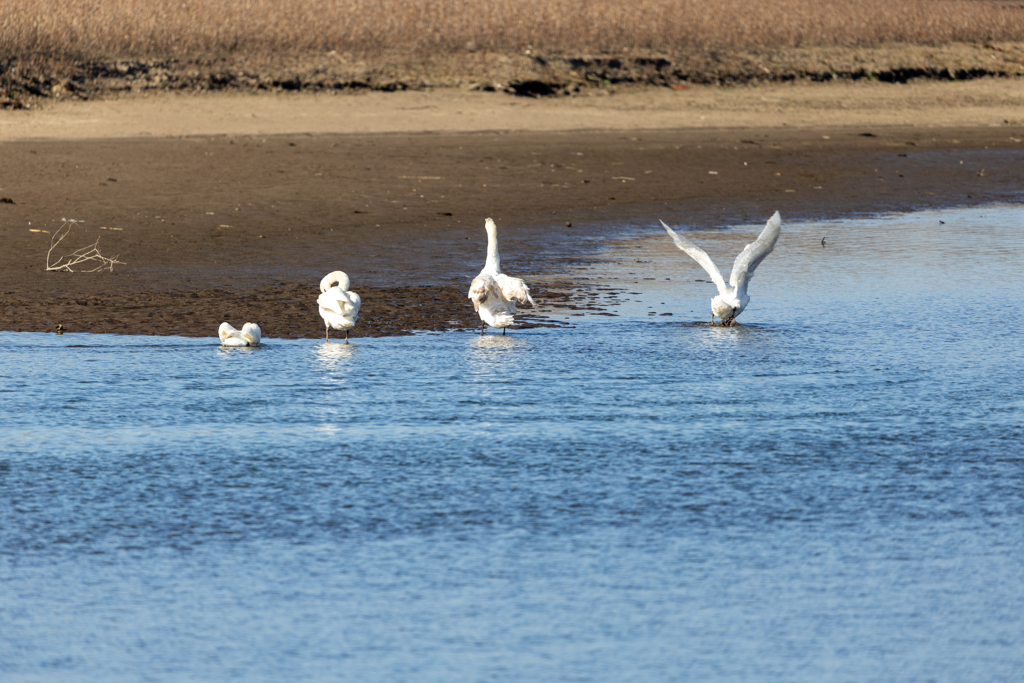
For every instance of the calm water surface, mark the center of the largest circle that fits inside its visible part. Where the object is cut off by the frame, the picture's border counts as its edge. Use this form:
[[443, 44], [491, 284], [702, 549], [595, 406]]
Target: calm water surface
[[832, 492]]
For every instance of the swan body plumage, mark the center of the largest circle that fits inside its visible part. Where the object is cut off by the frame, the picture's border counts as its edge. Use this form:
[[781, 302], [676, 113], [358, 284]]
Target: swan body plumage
[[338, 307], [493, 293], [249, 335], [732, 299]]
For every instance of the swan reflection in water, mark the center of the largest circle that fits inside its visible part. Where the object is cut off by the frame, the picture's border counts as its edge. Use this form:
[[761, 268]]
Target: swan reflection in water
[[717, 339], [233, 351], [498, 343], [334, 355], [491, 354], [333, 365]]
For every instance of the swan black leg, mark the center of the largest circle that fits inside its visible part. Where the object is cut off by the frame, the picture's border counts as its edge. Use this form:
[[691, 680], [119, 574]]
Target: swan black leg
[[328, 328], [346, 336], [503, 331]]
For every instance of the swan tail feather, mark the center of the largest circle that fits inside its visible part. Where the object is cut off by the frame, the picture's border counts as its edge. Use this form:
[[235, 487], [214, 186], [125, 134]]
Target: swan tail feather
[[503, 320]]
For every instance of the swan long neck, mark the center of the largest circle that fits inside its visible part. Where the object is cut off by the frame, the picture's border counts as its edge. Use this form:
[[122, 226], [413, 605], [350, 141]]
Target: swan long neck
[[493, 260], [337, 278]]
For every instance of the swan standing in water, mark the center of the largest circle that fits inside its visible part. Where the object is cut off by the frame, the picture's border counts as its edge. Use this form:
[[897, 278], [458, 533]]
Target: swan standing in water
[[732, 299], [249, 335], [338, 307], [495, 294]]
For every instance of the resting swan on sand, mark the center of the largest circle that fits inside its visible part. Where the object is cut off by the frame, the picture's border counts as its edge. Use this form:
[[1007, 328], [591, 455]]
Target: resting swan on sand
[[495, 294], [249, 335], [731, 300], [338, 307]]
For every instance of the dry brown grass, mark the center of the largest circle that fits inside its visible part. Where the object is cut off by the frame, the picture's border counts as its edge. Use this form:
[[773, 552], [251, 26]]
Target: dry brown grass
[[116, 29]]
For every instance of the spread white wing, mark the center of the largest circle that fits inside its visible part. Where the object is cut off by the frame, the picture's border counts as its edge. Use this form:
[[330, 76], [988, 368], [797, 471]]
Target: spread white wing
[[755, 252], [700, 256], [500, 289], [513, 289]]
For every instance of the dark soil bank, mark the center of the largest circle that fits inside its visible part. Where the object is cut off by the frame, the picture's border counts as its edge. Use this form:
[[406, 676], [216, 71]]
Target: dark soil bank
[[23, 82]]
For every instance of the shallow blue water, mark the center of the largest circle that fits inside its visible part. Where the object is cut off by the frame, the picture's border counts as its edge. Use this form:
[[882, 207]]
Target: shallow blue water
[[832, 492]]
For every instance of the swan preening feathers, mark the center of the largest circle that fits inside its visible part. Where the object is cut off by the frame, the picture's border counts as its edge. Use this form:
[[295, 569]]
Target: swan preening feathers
[[338, 307], [249, 335], [493, 293], [732, 299]]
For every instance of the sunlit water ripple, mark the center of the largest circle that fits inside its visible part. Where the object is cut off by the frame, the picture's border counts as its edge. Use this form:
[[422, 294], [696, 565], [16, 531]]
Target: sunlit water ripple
[[833, 491]]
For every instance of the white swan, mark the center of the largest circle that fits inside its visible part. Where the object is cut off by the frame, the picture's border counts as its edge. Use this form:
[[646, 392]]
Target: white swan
[[338, 307], [731, 300], [249, 335], [495, 294]]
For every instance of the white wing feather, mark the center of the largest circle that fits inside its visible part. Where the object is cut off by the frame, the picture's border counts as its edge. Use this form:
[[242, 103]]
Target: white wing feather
[[338, 301], [253, 333], [700, 256], [755, 252], [513, 289], [249, 335], [482, 288], [356, 303], [229, 336]]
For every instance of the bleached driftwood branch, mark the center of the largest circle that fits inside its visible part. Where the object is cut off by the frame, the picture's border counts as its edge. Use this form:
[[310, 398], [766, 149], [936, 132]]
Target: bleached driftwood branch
[[89, 255]]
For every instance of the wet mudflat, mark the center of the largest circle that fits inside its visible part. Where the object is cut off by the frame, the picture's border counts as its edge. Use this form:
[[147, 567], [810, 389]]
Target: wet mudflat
[[245, 226], [830, 491]]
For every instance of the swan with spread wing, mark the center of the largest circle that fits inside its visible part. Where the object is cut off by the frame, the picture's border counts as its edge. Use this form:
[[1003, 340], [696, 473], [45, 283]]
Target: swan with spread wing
[[732, 299], [338, 307], [493, 293]]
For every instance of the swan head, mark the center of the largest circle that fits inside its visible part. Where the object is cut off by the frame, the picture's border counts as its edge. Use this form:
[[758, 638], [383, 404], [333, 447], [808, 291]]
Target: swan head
[[337, 278], [728, 305], [490, 226]]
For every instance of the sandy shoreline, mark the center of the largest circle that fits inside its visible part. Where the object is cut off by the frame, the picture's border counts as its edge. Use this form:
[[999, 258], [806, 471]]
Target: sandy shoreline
[[233, 206], [928, 104]]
